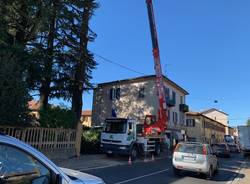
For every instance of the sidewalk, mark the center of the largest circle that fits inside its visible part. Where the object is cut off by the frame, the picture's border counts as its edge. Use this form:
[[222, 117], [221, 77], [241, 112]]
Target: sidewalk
[[243, 176], [86, 162]]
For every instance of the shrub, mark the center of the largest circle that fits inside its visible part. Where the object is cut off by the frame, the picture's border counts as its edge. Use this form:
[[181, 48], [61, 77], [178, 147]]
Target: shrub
[[90, 140], [57, 117]]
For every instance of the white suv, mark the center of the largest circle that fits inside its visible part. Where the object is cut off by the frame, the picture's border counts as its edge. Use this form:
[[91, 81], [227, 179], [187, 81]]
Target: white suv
[[196, 157]]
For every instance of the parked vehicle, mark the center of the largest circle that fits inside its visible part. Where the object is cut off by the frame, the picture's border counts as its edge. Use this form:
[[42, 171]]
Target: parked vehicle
[[196, 157], [125, 137], [244, 139], [21, 163], [221, 150], [234, 148]]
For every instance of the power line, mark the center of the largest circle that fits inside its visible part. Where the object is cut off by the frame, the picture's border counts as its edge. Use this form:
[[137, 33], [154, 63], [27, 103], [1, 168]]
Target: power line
[[118, 64]]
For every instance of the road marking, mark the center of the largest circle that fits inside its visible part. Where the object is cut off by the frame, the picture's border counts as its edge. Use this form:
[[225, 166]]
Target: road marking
[[144, 176], [118, 164]]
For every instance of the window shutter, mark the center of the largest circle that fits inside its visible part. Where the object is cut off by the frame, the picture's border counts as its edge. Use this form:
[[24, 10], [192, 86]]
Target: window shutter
[[111, 94], [118, 91]]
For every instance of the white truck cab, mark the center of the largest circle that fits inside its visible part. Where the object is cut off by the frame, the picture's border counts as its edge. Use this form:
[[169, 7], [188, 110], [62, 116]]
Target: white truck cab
[[124, 137]]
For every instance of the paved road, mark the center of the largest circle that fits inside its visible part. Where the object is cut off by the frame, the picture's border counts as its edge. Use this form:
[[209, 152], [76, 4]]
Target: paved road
[[160, 172]]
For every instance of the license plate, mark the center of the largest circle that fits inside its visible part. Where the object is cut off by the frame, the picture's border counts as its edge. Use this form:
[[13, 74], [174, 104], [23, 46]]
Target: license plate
[[110, 152], [189, 158]]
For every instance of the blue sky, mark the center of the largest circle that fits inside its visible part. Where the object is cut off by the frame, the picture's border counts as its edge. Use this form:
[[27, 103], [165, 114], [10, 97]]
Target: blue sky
[[204, 47]]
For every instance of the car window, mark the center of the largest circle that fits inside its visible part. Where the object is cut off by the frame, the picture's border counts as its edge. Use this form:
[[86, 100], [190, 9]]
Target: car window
[[186, 148], [18, 167]]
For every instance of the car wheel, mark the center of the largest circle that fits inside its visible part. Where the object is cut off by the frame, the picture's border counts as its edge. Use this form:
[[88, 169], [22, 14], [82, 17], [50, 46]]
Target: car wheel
[[217, 168], [109, 155], [176, 171], [210, 173], [134, 153]]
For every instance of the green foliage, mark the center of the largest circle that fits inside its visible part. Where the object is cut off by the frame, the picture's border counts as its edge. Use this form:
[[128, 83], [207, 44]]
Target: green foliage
[[44, 48], [91, 140], [57, 117], [248, 122], [13, 89], [91, 135]]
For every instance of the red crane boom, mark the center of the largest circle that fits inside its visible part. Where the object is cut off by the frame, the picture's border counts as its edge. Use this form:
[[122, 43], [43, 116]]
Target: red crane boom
[[152, 125]]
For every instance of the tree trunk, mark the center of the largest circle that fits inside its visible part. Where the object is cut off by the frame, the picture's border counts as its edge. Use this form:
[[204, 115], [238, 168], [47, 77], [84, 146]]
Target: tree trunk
[[48, 62], [77, 101]]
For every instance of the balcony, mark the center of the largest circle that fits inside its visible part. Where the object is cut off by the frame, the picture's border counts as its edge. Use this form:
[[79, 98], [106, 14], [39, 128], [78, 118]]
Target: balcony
[[170, 102], [184, 108]]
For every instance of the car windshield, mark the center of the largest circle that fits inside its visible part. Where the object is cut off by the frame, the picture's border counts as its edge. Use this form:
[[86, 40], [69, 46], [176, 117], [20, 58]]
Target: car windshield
[[189, 148], [115, 126]]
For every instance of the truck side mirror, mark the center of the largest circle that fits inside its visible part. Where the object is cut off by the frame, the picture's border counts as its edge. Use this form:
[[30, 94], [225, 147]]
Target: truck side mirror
[[129, 132]]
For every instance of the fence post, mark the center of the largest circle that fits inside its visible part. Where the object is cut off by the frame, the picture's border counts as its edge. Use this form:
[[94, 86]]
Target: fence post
[[55, 139]]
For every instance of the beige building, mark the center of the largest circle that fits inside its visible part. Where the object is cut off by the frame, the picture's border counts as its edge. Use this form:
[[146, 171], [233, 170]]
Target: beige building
[[219, 116], [201, 128], [86, 118], [136, 98]]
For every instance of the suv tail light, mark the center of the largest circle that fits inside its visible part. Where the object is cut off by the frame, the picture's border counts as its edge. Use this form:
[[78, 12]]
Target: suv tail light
[[204, 150], [176, 147]]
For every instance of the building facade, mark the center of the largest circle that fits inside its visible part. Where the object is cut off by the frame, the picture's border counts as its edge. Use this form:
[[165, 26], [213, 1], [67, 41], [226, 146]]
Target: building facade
[[219, 116], [136, 98], [86, 118], [201, 128]]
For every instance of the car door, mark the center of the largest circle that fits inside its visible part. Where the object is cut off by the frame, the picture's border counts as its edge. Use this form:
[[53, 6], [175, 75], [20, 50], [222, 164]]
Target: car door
[[19, 167]]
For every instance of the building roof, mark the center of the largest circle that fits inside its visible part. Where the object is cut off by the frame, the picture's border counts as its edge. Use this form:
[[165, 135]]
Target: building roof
[[34, 105], [193, 113], [147, 77], [213, 109], [87, 113], [190, 113]]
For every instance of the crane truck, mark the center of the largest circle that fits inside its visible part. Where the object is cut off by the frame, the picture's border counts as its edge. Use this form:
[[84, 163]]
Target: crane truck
[[126, 136]]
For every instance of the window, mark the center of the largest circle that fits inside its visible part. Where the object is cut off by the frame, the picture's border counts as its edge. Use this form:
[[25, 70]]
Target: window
[[166, 92], [141, 92], [17, 166], [181, 118], [114, 93], [181, 100], [169, 118], [173, 96], [190, 122], [175, 117]]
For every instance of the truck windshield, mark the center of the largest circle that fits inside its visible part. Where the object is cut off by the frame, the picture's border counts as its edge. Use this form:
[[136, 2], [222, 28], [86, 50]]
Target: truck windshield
[[115, 126]]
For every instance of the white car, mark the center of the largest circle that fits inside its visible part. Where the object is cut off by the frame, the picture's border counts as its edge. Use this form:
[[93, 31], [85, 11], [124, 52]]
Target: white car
[[21, 163], [196, 157]]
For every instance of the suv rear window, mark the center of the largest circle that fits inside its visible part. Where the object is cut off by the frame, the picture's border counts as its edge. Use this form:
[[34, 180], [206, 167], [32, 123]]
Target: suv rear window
[[189, 148]]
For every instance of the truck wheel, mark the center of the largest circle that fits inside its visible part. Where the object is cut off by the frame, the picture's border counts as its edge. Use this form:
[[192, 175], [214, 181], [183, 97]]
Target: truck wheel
[[157, 149], [134, 153]]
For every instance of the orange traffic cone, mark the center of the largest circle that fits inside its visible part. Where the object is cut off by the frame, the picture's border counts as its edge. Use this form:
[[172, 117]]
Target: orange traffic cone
[[129, 161]]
